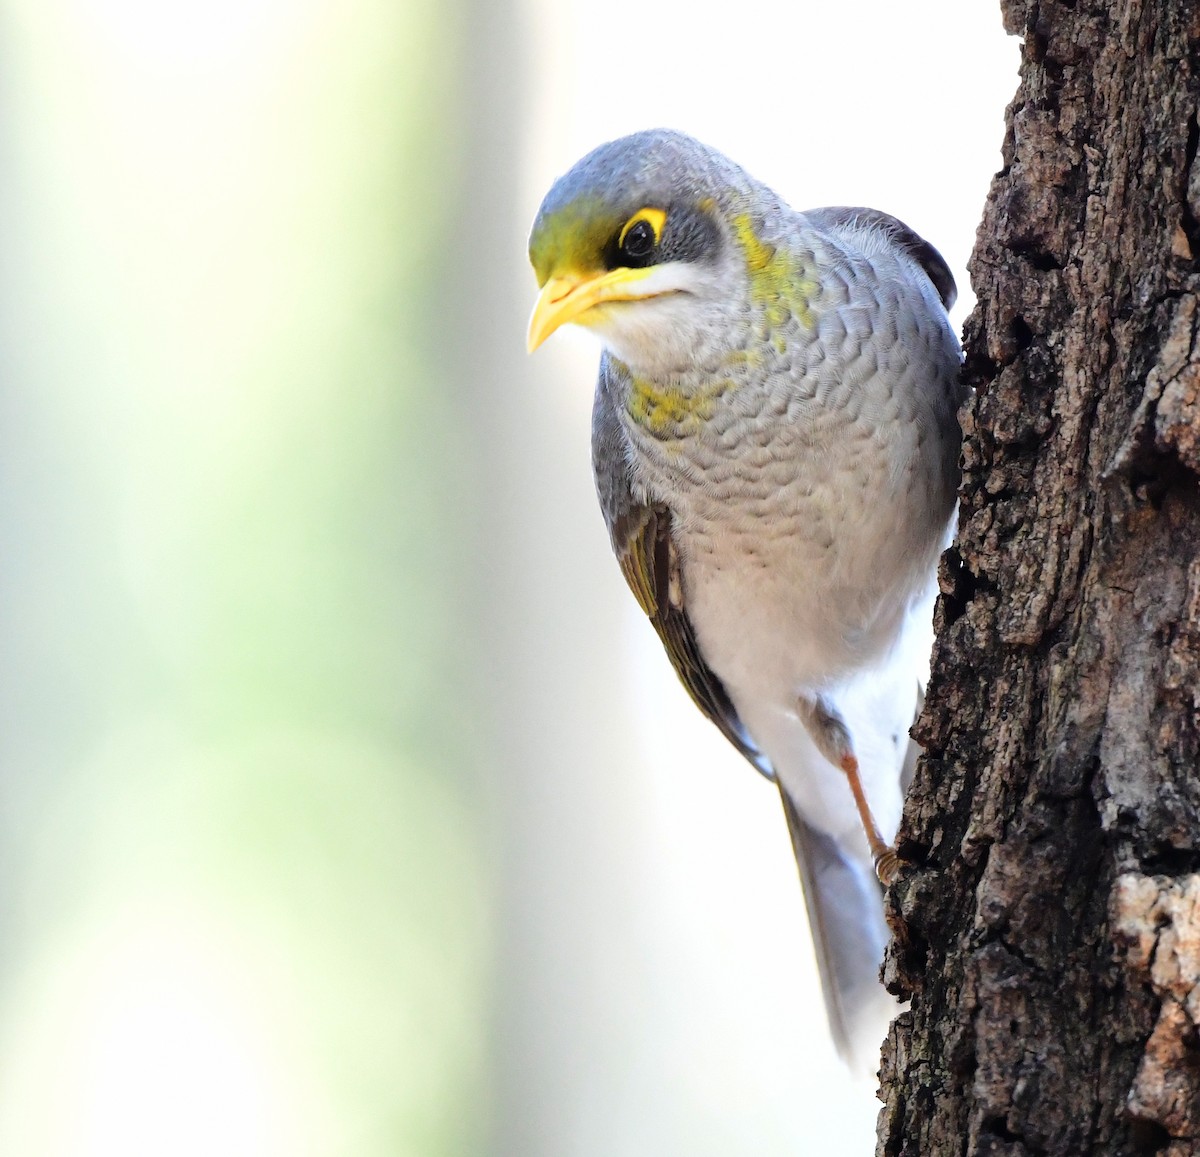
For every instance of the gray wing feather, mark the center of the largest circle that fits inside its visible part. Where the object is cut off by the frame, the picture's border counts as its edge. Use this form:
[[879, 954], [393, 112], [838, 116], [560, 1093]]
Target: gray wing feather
[[641, 538], [838, 218]]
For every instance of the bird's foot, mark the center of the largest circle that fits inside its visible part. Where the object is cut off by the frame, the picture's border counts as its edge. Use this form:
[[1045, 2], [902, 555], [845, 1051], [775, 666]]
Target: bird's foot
[[887, 866]]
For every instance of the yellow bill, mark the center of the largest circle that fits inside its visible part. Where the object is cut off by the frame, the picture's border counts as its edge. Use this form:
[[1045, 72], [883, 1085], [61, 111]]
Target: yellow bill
[[568, 298]]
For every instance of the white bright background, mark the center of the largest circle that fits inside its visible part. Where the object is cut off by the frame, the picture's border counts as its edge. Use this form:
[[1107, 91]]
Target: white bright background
[[666, 951]]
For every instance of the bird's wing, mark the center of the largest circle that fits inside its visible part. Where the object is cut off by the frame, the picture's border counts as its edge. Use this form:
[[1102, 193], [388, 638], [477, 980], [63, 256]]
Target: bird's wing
[[641, 538], [855, 218]]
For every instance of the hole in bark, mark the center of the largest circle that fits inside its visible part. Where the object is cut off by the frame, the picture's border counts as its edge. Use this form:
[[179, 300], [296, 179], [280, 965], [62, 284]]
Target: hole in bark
[[1148, 1136], [1154, 477], [998, 1127], [1188, 221], [1029, 250], [913, 852], [1171, 862], [1022, 335], [958, 585], [978, 369], [1043, 261]]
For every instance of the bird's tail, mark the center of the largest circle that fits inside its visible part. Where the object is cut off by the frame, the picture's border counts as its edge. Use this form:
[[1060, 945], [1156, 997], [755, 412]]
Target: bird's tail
[[845, 910]]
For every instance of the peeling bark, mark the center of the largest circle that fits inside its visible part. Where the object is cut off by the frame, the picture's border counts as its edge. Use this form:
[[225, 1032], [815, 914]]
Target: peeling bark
[[1048, 927]]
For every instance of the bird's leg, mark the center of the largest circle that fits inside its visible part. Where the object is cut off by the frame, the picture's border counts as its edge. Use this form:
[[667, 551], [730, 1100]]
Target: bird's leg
[[829, 732]]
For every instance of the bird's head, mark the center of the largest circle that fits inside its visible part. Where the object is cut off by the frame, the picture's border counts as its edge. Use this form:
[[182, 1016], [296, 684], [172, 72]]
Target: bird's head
[[634, 242]]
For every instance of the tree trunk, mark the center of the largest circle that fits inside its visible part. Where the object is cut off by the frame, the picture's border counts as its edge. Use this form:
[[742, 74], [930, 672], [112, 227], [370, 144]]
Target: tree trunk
[[1048, 930]]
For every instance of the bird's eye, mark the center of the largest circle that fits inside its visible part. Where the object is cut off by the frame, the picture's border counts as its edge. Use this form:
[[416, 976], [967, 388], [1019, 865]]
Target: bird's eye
[[639, 241], [640, 236]]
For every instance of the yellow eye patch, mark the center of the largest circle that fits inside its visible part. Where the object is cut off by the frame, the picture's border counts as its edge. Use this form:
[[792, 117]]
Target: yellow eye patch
[[655, 218]]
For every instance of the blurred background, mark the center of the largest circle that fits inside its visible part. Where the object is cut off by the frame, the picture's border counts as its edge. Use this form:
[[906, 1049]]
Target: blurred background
[[346, 804]]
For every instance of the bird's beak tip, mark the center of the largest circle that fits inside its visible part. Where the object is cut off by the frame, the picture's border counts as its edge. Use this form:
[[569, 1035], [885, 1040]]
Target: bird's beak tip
[[533, 336], [550, 311]]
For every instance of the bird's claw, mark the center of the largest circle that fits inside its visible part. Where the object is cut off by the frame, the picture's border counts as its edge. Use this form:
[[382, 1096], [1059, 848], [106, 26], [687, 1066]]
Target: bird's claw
[[887, 866]]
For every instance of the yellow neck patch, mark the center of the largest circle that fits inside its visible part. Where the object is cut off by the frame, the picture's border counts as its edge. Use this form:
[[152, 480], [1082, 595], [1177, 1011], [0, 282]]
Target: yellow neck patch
[[783, 286], [671, 412]]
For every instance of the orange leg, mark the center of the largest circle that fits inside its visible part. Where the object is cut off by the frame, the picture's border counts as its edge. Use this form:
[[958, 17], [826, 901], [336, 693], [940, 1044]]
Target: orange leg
[[887, 863], [832, 737]]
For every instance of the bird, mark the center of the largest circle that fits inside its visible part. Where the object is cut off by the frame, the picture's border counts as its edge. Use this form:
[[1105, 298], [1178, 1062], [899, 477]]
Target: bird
[[775, 444]]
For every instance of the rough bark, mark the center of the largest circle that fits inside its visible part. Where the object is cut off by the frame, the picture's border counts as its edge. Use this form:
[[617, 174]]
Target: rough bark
[[1048, 930]]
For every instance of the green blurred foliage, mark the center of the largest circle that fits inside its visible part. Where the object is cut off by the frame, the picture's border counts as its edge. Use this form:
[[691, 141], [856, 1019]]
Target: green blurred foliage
[[239, 753]]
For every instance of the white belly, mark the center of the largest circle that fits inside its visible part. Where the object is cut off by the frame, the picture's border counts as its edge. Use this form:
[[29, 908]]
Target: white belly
[[778, 613]]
